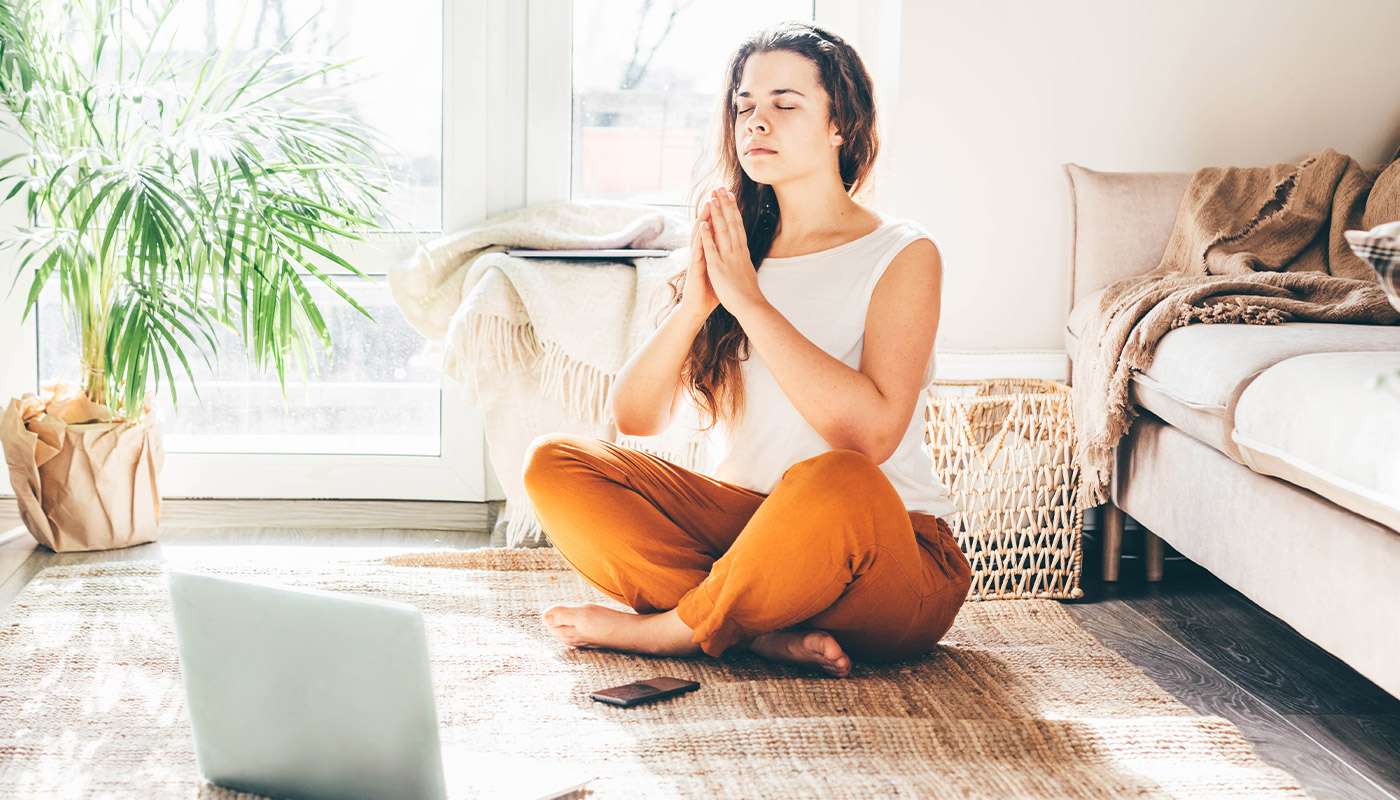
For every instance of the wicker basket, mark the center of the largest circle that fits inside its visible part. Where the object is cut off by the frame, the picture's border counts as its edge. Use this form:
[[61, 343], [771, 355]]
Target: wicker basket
[[1004, 449]]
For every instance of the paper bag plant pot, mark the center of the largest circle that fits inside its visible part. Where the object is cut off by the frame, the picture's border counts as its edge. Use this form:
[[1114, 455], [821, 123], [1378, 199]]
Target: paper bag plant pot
[[84, 479]]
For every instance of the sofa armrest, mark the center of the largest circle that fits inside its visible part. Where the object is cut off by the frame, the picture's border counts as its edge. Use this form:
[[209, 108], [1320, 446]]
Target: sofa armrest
[[1119, 224]]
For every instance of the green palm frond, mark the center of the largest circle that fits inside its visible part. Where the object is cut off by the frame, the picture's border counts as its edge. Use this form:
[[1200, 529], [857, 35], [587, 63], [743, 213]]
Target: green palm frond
[[171, 194]]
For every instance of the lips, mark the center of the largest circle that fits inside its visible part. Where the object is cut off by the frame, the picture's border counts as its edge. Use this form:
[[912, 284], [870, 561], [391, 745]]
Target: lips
[[759, 151]]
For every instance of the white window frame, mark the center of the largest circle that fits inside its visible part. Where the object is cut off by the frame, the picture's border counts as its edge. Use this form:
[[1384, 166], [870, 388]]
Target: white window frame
[[870, 26], [476, 38]]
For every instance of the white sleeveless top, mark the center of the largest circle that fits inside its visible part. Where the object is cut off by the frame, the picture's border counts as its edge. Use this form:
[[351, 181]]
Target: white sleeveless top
[[825, 295]]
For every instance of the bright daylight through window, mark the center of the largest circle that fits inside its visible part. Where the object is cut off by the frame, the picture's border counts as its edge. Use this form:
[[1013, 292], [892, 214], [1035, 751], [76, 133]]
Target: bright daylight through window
[[378, 392], [646, 82]]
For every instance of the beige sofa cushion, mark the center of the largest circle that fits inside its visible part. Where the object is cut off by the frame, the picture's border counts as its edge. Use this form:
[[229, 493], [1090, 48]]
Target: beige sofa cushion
[[1321, 422], [1119, 224], [1198, 371]]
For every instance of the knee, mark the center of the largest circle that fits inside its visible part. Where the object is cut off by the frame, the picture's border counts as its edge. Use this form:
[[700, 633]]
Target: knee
[[546, 455], [838, 467], [829, 481]]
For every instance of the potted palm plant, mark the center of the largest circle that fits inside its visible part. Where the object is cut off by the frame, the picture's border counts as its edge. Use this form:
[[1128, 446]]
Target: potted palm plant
[[166, 194]]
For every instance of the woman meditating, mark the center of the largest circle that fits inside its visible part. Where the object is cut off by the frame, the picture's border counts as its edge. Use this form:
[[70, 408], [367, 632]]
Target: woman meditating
[[803, 329]]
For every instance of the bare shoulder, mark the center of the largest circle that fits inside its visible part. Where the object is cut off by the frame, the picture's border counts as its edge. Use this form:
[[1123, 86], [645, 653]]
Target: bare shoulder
[[917, 263], [900, 327]]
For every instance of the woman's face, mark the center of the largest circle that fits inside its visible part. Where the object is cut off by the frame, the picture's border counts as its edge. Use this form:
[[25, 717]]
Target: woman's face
[[791, 125]]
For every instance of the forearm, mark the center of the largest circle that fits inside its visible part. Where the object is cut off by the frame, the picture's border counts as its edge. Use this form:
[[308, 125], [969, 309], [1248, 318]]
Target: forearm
[[840, 402], [647, 384]]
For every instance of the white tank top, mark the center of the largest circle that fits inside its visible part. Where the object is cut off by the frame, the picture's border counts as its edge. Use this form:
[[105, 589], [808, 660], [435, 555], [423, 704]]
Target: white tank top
[[825, 295]]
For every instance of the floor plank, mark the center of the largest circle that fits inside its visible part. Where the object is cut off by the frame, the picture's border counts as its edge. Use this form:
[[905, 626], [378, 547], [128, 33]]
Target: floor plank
[[1260, 652], [1369, 742], [1206, 691], [1218, 652], [15, 547], [179, 512]]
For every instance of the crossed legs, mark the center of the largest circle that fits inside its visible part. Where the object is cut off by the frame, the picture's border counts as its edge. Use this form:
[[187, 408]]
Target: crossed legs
[[824, 568]]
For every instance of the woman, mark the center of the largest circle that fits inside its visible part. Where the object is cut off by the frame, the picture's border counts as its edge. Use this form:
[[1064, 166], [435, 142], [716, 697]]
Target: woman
[[818, 537]]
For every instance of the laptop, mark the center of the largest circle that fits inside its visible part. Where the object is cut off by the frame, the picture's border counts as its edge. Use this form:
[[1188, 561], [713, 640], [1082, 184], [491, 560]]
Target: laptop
[[303, 693]]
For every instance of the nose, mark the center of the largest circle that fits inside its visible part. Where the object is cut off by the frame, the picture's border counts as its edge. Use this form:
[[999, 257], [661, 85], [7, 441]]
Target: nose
[[755, 122]]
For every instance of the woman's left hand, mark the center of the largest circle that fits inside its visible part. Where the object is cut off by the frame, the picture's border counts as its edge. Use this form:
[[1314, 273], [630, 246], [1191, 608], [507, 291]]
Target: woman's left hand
[[727, 260]]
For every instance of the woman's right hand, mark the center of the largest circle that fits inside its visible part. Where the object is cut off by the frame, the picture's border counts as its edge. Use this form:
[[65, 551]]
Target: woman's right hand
[[698, 295]]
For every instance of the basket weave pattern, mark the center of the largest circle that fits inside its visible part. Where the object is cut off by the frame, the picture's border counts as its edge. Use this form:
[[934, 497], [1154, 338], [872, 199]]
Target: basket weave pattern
[[1004, 449]]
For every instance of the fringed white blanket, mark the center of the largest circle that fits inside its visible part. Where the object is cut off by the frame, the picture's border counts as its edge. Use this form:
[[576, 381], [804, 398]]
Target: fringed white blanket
[[537, 343]]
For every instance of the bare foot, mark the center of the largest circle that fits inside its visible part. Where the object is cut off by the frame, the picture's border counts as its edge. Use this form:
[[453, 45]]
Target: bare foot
[[593, 626], [804, 647]]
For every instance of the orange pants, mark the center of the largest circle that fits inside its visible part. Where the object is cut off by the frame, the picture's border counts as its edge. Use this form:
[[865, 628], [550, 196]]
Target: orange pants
[[832, 547]]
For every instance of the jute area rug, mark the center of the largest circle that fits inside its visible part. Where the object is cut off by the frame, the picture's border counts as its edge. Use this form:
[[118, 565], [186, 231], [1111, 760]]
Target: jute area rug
[[1019, 701]]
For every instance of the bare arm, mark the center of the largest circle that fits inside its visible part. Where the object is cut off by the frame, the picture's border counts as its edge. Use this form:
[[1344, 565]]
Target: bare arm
[[648, 389], [867, 409]]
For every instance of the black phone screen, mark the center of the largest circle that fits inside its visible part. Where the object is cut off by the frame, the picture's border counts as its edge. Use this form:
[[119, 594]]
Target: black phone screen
[[631, 694]]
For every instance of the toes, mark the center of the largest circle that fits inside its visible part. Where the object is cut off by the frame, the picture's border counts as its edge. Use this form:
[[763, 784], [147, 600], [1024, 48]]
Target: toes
[[824, 645], [826, 648], [559, 615], [815, 647], [838, 667], [570, 636]]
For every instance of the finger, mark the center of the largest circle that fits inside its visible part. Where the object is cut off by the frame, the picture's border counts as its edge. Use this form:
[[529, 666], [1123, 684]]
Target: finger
[[721, 223], [697, 246], [705, 215], [734, 222], [719, 227], [707, 242]]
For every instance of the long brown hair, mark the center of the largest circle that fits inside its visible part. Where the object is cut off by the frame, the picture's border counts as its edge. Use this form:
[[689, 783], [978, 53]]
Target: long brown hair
[[710, 371]]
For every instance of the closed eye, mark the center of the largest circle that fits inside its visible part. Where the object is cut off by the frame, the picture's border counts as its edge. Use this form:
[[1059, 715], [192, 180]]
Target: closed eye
[[784, 108]]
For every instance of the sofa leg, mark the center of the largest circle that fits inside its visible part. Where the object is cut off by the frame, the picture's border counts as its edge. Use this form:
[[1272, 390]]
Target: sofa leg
[[1111, 518], [1152, 554]]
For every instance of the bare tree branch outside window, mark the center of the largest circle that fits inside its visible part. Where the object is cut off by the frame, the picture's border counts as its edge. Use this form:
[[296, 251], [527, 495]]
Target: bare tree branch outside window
[[637, 66]]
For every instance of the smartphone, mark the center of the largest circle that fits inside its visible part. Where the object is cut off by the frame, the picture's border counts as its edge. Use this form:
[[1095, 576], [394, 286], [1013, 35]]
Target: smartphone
[[637, 692]]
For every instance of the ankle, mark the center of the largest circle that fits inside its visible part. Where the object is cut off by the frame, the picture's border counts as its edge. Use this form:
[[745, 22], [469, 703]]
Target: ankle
[[760, 639], [671, 636]]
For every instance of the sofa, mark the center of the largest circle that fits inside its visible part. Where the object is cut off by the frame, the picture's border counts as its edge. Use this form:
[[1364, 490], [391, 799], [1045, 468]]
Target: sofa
[[1267, 454]]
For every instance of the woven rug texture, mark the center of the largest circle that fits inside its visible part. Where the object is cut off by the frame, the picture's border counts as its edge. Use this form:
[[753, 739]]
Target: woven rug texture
[[1018, 700]]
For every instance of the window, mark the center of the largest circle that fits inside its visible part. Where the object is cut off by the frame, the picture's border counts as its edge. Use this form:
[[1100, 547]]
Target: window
[[396, 78], [378, 392], [646, 83], [375, 419]]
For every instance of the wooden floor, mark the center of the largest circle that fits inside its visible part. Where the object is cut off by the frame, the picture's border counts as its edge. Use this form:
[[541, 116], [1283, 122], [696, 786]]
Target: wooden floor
[[1219, 653], [1216, 651]]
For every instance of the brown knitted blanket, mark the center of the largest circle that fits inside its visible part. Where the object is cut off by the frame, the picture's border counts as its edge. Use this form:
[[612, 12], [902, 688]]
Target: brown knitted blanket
[[1256, 245]]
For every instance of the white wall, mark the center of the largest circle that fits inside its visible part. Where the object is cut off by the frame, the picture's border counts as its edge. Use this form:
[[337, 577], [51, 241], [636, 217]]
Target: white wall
[[995, 95]]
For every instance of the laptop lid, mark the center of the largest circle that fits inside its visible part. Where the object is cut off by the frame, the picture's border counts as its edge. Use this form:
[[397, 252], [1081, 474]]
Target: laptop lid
[[302, 693]]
